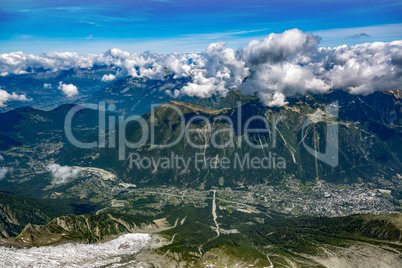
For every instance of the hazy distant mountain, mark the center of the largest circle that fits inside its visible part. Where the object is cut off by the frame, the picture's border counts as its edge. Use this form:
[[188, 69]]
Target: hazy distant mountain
[[136, 95], [29, 126], [41, 86]]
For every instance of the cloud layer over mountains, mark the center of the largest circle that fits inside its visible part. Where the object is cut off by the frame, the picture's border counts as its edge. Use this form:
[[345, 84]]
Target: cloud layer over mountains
[[280, 65]]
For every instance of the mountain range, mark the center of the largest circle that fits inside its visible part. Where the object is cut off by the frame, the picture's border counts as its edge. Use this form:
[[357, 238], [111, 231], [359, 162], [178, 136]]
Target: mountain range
[[245, 196]]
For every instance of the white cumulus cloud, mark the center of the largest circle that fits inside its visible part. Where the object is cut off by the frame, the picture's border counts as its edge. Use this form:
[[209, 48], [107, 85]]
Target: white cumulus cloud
[[62, 173], [6, 97], [203, 87], [3, 172], [47, 86], [278, 47], [272, 99], [108, 77], [362, 69], [69, 90]]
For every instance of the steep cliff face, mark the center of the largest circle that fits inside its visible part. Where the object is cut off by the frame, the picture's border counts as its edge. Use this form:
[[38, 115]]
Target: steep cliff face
[[8, 221]]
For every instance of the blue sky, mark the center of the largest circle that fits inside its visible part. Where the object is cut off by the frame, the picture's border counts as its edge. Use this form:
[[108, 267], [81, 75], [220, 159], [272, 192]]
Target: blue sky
[[188, 26]]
